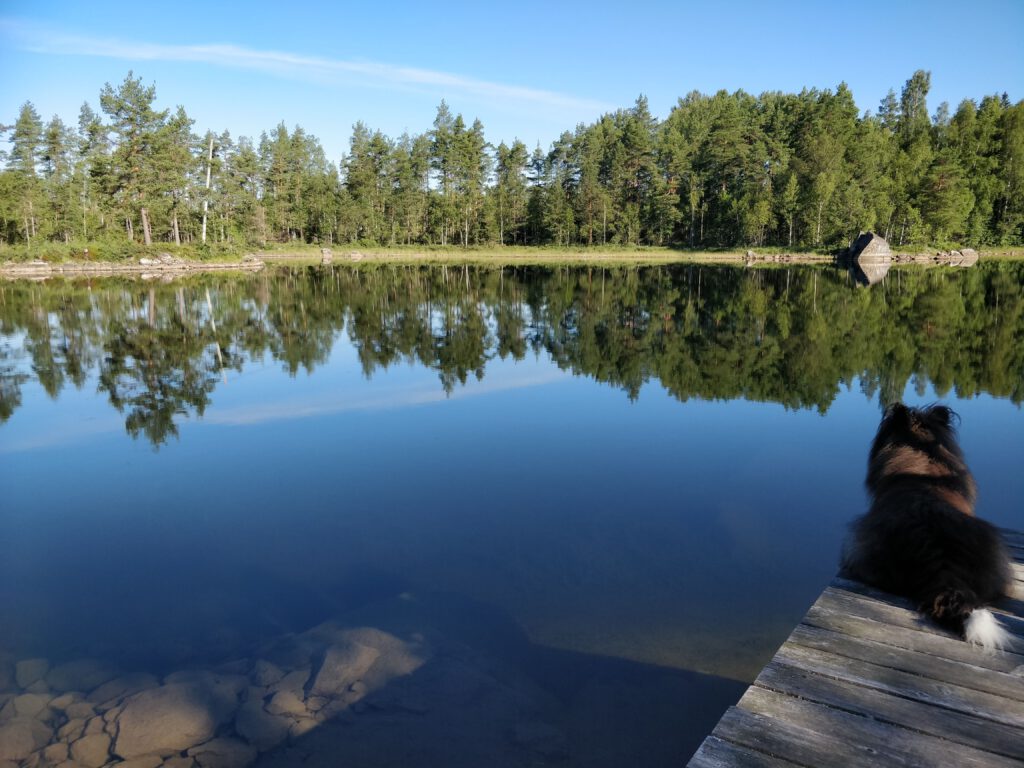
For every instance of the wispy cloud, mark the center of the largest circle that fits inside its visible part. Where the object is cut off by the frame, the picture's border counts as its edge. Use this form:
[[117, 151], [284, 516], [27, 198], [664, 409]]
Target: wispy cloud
[[42, 39], [303, 407], [386, 399]]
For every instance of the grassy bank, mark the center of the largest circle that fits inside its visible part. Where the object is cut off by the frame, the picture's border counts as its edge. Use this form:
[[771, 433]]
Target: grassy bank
[[114, 252], [509, 255]]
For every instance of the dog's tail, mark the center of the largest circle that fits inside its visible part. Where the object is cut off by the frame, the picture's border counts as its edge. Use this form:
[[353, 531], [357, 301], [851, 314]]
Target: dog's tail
[[981, 628], [960, 609]]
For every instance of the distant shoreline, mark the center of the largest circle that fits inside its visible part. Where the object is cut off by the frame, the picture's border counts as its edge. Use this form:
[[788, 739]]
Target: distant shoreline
[[163, 264]]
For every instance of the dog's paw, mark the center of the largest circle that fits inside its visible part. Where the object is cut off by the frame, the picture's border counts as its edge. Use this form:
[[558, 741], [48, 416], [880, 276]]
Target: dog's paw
[[952, 605]]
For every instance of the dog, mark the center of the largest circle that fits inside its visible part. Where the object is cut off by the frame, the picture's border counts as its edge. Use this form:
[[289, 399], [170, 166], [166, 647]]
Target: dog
[[920, 538]]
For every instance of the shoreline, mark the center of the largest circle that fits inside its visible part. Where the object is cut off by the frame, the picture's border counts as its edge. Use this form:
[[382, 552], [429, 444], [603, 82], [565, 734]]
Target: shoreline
[[164, 265], [144, 268]]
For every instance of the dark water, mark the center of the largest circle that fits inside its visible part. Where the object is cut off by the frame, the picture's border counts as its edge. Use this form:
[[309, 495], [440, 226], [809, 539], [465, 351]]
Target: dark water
[[623, 487]]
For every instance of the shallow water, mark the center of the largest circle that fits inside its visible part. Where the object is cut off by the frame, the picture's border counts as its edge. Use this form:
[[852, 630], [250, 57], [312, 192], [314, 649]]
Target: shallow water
[[620, 488]]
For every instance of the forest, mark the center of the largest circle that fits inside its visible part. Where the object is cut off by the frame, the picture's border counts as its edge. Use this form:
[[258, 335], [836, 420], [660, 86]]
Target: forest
[[797, 171], [793, 335]]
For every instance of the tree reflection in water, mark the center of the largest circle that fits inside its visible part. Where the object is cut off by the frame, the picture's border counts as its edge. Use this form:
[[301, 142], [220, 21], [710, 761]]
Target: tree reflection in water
[[791, 335]]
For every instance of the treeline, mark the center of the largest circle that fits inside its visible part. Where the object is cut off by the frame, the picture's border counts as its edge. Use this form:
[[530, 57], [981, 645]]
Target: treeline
[[803, 170], [795, 336]]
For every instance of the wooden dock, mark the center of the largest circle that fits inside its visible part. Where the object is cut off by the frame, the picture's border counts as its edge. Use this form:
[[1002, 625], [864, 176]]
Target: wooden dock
[[864, 681]]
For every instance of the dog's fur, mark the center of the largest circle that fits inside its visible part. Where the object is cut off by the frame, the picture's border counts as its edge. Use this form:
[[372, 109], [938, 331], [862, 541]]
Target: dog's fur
[[920, 537]]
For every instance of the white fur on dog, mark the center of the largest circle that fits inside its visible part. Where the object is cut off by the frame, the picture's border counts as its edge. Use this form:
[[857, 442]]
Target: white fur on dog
[[981, 628]]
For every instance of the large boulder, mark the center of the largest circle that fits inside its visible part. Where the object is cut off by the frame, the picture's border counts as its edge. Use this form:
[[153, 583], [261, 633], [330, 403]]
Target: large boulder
[[869, 258], [341, 665], [870, 248], [172, 718]]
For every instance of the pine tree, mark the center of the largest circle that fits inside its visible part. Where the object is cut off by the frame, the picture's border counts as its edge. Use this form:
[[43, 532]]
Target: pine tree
[[135, 125]]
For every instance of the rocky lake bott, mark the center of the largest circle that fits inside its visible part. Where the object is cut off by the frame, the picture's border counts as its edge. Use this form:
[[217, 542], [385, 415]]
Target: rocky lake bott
[[547, 515]]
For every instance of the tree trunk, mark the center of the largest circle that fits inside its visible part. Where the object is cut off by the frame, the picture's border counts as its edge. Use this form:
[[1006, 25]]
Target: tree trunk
[[147, 233], [206, 200], [174, 226]]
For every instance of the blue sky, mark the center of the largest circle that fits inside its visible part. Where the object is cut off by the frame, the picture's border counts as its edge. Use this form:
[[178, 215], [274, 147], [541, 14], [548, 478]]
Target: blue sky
[[528, 70]]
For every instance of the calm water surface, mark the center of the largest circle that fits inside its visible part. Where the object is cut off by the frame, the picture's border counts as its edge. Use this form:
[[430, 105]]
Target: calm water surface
[[621, 487]]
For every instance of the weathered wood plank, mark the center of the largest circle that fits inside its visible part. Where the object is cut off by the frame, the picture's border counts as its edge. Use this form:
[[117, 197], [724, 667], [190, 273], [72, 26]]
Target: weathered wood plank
[[881, 678], [935, 668], [845, 616], [905, 611], [716, 753], [807, 733], [937, 721]]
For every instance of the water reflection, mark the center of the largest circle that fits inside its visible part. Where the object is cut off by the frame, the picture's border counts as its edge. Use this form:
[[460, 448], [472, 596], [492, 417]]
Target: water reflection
[[490, 469], [791, 335], [870, 273]]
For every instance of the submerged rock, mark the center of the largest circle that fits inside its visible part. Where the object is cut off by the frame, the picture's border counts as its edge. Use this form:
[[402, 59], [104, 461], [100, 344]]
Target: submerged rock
[[223, 753], [29, 671], [80, 709], [293, 682], [82, 675], [21, 736], [341, 665], [7, 681], [71, 730], [172, 718], [287, 703], [92, 750], [262, 729], [56, 753], [65, 700], [146, 761], [119, 687], [265, 674]]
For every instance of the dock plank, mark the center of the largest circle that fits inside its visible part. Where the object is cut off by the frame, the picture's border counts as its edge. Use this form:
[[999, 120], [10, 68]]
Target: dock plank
[[844, 616], [865, 680], [717, 753], [938, 721]]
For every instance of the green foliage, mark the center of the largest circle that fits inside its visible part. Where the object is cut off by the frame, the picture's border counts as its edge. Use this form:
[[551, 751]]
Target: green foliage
[[727, 170]]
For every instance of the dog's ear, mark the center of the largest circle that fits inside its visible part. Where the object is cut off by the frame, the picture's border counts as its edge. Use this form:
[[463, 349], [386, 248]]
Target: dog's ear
[[897, 413], [941, 414]]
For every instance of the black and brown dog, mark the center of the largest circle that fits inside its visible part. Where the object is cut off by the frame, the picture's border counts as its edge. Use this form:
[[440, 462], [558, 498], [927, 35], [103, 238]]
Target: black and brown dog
[[920, 537]]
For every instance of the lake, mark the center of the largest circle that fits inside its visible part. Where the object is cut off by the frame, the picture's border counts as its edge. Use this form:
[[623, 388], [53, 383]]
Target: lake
[[469, 515]]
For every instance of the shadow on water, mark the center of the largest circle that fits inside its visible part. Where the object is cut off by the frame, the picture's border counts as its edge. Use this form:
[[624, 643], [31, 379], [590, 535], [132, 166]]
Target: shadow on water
[[485, 695]]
